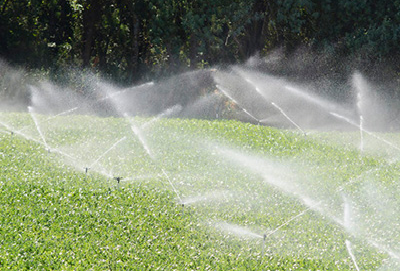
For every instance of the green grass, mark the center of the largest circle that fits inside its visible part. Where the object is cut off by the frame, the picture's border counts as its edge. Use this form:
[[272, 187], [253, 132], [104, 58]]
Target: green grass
[[56, 217]]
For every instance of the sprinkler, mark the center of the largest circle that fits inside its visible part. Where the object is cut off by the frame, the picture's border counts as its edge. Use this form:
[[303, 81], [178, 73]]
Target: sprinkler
[[86, 170], [183, 209], [263, 246], [118, 179]]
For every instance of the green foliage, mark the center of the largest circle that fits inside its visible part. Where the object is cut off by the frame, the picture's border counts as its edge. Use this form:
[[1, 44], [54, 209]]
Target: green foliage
[[127, 40], [54, 216]]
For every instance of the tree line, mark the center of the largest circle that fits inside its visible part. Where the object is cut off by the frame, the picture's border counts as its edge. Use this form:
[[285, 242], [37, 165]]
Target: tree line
[[128, 40]]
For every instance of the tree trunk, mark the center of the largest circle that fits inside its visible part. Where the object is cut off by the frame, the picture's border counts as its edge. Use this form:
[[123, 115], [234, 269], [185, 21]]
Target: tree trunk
[[193, 50], [135, 48], [91, 15]]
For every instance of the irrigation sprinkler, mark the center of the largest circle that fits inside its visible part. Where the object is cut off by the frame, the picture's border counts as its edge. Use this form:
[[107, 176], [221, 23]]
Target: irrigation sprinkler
[[86, 170], [118, 179], [263, 244]]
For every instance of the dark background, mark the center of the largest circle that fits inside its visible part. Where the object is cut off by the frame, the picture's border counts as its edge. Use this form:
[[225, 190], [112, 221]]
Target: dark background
[[131, 41]]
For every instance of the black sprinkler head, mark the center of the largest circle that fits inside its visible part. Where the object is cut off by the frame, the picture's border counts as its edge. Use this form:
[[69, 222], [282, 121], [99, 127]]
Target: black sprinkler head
[[118, 179]]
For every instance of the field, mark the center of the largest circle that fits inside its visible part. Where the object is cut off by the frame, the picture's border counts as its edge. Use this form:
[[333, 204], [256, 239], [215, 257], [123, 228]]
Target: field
[[89, 193]]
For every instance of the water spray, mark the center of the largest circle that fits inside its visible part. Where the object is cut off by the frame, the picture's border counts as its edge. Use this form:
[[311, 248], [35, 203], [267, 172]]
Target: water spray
[[172, 185], [115, 94], [264, 244], [238, 230], [30, 109], [49, 150], [288, 118], [167, 112], [347, 225], [63, 113], [288, 221], [353, 258], [138, 133], [312, 205], [225, 92], [365, 131], [361, 135], [107, 151], [276, 106], [111, 96]]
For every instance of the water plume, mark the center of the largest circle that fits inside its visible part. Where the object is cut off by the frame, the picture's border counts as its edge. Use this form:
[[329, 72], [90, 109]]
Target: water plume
[[350, 251], [276, 106], [288, 118], [166, 113], [115, 94], [213, 196], [347, 215], [107, 151], [30, 109], [237, 230], [226, 93], [360, 87], [72, 159], [63, 113], [287, 222], [365, 131], [281, 177], [306, 109], [361, 134], [138, 133], [172, 185]]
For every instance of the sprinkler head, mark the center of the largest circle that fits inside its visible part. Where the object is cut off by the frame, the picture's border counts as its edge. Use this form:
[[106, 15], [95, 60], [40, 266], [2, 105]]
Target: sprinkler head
[[118, 179], [86, 169], [264, 236], [12, 133], [183, 205]]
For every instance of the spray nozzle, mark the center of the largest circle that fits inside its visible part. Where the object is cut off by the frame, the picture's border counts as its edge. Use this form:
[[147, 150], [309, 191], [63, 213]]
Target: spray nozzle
[[118, 179]]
